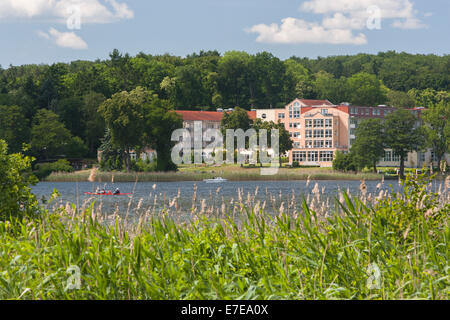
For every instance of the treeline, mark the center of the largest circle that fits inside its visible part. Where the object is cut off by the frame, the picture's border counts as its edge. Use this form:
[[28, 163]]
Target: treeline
[[55, 107]]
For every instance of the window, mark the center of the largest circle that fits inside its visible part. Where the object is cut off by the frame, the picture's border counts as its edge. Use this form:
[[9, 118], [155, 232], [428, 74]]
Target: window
[[376, 112], [328, 133], [281, 116], [328, 123], [353, 111], [318, 144], [387, 156], [326, 156], [290, 112], [367, 112], [296, 134], [308, 133], [264, 116], [313, 156], [296, 145], [395, 157], [290, 125], [352, 131], [354, 121], [329, 144], [308, 123], [309, 144], [422, 157], [296, 112], [318, 134], [324, 112], [318, 123], [299, 156], [434, 156]]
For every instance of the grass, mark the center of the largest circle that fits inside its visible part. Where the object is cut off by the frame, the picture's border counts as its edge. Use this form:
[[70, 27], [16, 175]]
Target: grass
[[313, 253], [230, 172]]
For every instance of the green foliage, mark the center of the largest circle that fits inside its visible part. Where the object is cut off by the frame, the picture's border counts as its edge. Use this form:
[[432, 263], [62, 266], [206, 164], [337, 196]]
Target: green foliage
[[413, 211], [366, 90], [260, 257], [344, 162], [43, 170], [14, 127], [16, 199], [402, 135], [437, 129], [369, 144]]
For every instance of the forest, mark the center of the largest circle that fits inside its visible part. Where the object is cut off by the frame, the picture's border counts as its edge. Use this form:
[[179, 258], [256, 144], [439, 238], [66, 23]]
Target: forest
[[55, 108]]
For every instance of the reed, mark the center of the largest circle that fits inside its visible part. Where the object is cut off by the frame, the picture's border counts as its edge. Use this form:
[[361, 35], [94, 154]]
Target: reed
[[316, 252]]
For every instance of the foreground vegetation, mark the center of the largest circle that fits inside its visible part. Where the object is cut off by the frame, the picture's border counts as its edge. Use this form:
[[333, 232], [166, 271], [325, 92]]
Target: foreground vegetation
[[392, 247]]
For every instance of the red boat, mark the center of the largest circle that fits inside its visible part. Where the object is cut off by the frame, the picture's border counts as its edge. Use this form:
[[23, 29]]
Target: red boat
[[109, 193]]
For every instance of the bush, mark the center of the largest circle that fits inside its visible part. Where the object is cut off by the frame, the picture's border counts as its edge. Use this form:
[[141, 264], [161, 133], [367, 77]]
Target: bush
[[16, 198], [295, 164], [343, 162], [143, 166], [43, 170]]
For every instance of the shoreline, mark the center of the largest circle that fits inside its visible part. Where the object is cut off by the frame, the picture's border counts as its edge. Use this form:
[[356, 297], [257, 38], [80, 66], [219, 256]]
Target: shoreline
[[191, 176]]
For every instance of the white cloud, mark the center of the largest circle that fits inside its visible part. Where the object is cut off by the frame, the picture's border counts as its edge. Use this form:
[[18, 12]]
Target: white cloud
[[339, 20], [92, 11], [64, 39], [294, 31]]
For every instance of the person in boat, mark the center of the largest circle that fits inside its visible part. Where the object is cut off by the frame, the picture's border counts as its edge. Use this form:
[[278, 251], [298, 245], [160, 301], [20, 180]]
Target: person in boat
[[117, 191], [103, 191]]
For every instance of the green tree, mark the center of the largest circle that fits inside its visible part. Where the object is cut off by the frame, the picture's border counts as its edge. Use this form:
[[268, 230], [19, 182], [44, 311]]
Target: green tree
[[437, 129], [368, 147], [49, 137], [14, 127], [16, 198], [94, 123], [237, 119], [366, 90], [285, 143], [400, 99], [124, 115], [403, 135], [343, 162]]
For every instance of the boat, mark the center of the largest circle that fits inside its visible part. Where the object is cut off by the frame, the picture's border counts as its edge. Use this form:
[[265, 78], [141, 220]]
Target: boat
[[109, 193], [215, 180]]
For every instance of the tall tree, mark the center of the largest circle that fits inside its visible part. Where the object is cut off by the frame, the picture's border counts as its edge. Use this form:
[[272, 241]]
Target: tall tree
[[125, 116], [369, 145], [366, 90], [437, 129], [14, 127], [403, 135]]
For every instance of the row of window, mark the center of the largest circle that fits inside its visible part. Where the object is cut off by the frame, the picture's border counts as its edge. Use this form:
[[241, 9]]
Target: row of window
[[328, 133], [319, 123], [392, 156], [366, 111], [319, 144], [312, 156]]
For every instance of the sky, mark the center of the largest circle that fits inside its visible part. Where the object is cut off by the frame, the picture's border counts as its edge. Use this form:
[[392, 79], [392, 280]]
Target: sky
[[49, 31]]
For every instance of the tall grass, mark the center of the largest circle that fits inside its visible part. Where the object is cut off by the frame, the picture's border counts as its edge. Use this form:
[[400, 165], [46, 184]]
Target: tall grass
[[245, 254]]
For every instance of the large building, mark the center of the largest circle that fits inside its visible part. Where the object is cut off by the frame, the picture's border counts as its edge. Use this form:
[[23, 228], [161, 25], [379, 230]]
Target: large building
[[319, 129]]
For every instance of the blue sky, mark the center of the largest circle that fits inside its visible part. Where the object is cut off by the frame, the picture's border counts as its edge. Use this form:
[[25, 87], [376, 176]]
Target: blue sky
[[36, 31]]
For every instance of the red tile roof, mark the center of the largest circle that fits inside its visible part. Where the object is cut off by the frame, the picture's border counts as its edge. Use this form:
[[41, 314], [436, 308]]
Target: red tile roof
[[312, 103], [252, 115]]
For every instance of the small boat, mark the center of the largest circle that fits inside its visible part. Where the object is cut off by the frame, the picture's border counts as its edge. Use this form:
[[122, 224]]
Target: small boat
[[215, 180], [109, 193]]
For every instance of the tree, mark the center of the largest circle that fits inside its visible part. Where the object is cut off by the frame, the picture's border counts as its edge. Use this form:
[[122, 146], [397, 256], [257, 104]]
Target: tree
[[16, 198], [14, 127], [125, 117], [237, 119], [369, 145], [366, 90], [402, 135], [49, 137], [343, 162], [437, 129], [161, 121], [400, 99], [94, 124], [285, 142]]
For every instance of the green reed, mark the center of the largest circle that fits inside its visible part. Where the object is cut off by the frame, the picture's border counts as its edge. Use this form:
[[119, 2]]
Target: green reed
[[301, 255]]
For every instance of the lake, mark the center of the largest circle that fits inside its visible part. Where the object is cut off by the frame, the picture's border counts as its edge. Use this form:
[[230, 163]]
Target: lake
[[179, 196]]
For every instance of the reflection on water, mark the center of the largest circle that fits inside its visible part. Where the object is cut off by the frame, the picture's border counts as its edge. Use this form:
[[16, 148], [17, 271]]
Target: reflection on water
[[181, 197]]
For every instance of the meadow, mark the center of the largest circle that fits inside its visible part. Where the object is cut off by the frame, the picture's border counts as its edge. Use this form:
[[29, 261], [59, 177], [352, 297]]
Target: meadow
[[374, 246]]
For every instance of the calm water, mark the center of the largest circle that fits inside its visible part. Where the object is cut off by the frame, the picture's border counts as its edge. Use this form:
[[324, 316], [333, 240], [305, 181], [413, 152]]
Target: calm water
[[150, 196]]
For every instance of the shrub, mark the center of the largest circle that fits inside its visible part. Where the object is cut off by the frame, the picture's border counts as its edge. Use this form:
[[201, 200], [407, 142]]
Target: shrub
[[295, 164], [43, 170], [16, 198]]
